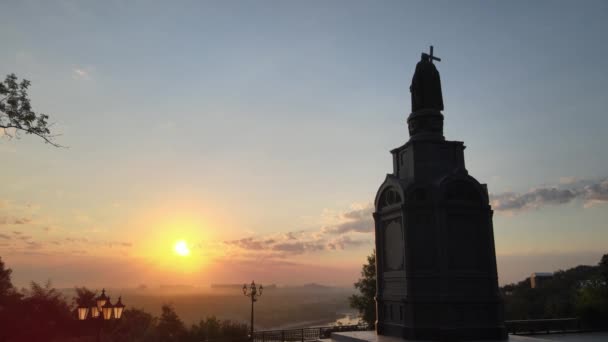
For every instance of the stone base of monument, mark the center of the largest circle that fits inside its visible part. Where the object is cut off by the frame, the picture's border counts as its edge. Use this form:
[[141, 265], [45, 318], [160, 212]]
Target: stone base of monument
[[371, 336]]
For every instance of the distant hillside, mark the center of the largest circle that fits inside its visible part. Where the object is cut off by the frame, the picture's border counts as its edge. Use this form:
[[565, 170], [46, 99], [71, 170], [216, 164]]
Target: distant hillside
[[238, 286], [316, 286]]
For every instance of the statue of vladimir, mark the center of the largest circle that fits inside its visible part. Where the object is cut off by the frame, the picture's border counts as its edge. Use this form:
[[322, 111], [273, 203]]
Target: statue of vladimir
[[426, 86]]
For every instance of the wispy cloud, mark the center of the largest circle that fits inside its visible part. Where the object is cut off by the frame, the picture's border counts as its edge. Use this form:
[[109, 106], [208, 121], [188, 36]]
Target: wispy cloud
[[23, 220], [33, 245], [14, 221], [280, 246], [78, 241], [346, 241], [358, 219], [588, 191], [14, 214], [350, 228], [80, 73]]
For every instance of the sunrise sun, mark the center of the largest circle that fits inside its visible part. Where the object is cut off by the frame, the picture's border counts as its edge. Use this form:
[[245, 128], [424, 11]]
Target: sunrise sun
[[181, 248]]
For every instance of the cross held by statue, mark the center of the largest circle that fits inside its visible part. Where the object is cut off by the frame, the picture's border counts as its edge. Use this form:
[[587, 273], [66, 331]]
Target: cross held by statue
[[429, 57]]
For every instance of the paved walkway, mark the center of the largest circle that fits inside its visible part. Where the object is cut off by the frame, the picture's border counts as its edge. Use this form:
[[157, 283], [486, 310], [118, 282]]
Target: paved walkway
[[574, 337], [370, 336]]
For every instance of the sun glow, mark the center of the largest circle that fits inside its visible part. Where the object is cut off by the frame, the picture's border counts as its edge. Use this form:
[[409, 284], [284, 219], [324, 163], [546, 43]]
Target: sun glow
[[176, 242], [181, 248]]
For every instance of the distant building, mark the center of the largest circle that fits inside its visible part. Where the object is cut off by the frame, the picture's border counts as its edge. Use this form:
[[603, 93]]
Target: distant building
[[537, 279]]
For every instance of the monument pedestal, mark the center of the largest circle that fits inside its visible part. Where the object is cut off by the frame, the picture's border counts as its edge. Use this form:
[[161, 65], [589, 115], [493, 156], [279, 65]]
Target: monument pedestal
[[435, 260]]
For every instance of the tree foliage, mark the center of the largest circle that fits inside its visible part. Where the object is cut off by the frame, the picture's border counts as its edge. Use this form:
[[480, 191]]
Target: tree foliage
[[9, 300], [592, 304], [136, 325], [170, 327], [6, 286], [42, 313], [604, 268], [213, 329], [365, 302], [581, 291], [16, 114], [84, 297]]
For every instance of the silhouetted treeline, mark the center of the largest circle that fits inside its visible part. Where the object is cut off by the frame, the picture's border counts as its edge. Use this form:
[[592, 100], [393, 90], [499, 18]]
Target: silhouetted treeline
[[581, 292], [41, 313]]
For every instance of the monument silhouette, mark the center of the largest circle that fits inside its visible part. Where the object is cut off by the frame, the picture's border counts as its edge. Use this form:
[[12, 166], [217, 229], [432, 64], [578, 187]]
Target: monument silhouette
[[435, 257]]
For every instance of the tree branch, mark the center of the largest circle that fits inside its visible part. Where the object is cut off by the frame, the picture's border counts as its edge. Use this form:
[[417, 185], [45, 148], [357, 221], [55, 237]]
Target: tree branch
[[46, 138], [16, 111]]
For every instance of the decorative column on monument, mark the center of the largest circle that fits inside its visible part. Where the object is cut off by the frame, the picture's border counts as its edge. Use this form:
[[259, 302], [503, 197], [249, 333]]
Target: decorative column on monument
[[435, 256]]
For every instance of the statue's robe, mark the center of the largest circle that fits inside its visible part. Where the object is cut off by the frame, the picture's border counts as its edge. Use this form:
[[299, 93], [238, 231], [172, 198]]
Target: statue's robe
[[426, 87]]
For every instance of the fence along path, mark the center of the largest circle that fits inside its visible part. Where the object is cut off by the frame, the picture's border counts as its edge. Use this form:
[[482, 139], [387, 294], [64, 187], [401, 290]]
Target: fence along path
[[304, 334], [519, 327]]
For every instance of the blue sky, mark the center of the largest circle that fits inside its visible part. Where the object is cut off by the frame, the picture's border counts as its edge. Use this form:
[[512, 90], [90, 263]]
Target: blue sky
[[257, 119]]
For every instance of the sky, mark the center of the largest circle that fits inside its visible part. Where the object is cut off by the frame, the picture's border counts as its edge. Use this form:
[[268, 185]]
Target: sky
[[258, 132]]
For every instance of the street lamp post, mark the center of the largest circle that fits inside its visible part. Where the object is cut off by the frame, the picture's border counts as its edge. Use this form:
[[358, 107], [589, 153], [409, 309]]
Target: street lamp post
[[252, 292], [102, 310]]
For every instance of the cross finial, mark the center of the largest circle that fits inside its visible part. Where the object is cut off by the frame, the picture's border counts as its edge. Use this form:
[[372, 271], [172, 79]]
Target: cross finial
[[430, 56]]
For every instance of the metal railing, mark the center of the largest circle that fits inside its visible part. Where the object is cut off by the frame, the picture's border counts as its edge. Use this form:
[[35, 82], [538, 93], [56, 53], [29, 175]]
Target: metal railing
[[304, 334], [543, 326], [516, 327]]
